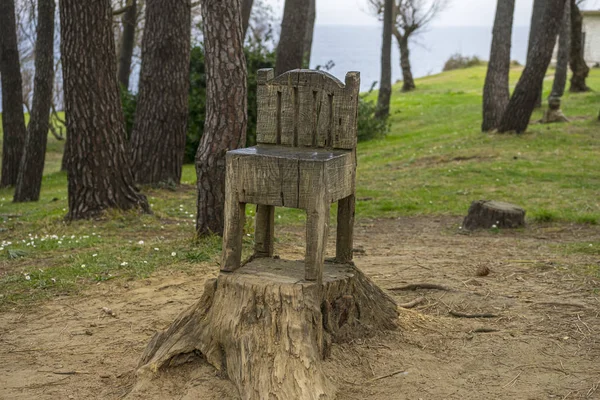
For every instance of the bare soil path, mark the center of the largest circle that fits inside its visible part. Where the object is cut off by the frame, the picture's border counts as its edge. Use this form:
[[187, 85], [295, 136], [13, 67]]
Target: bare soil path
[[543, 341]]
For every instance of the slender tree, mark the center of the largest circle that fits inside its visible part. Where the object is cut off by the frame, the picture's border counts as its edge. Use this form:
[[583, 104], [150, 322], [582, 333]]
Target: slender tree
[[536, 21], [562, 58], [495, 90], [576, 56], [385, 82], [410, 17], [158, 136], [13, 120], [29, 180], [226, 117], [290, 49], [99, 174], [246, 12], [310, 29], [520, 107], [129, 22]]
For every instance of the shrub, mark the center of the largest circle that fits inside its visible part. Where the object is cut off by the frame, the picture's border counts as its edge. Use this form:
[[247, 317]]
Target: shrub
[[458, 61], [370, 127]]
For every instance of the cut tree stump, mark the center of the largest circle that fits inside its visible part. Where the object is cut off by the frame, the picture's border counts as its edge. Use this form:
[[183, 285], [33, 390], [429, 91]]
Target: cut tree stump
[[268, 330], [554, 113], [484, 214]]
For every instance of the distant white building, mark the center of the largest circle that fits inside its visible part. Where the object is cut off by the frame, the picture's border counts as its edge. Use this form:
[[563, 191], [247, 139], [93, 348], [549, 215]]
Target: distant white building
[[591, 37]]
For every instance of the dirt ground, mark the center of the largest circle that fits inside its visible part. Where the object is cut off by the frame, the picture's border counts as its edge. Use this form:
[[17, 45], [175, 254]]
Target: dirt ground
[[544, 342]]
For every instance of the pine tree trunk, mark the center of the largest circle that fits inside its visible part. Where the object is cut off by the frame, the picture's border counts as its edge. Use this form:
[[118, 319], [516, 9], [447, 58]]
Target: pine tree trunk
[[520, 107], [129, 21], [495, 91], [29, 180], [290, 50], [226, 105], [158, 135], [310, 30], [536, 22], [408, 82], [13, 120], [562, 58], [246, 12], [385, 82], [99, 174], [64, 162], [576, 56]]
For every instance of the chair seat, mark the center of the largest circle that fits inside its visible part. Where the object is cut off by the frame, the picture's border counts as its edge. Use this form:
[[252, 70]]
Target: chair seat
[[286, 176]]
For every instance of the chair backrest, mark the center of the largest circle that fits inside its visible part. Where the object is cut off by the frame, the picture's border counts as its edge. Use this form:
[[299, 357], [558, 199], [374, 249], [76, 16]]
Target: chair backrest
[[307, 108]]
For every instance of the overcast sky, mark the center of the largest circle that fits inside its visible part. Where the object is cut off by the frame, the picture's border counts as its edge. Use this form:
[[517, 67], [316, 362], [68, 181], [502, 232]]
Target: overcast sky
[[458, 13]]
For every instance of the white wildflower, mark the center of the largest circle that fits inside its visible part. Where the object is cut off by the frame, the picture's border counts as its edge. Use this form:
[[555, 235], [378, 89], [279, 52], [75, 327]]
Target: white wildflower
[[156, 249], [141, 242], [494, 226], [27, 277], [173, 254], [82, 265], [94, 255]]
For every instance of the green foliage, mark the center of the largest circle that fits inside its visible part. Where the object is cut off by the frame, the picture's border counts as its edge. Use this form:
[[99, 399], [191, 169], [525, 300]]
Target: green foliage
[[458, 61], [370, 127], [128, 102], [544, 216]]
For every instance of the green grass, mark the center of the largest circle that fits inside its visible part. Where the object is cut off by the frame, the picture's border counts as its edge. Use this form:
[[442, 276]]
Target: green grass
[[434, 161]]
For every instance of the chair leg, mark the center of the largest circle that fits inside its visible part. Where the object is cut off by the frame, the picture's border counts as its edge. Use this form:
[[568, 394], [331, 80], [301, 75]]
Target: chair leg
[[264, 228], [317, 221], [235, 217], [345, 229]]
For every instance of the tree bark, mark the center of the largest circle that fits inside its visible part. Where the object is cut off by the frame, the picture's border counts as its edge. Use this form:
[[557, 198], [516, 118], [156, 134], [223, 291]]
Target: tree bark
[[576, 56], [246, 12], [408, 82], [536, 22], [129, 21], [99, 175], [29, 180], [226, 106], [562, 58], [158, 135], [310, 30], [385, 81], [496, 93], [268, 330], [520, 107], [13, 120], [290, 50]]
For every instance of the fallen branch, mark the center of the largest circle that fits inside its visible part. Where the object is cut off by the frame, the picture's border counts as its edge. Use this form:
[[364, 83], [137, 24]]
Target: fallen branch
[[484, 330], [415, 286], [66, 372], [463, 315], [400, 371], [413, 303]]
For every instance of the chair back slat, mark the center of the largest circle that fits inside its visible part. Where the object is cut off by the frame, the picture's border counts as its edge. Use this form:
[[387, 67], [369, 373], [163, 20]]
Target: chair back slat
[[307, 108]]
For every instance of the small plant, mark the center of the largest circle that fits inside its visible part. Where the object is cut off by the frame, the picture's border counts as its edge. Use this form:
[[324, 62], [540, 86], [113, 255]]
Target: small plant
[[458, 61], [370, 127]]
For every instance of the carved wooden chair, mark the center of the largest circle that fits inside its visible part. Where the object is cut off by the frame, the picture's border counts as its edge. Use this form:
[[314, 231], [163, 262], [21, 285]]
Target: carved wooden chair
[[305, 158]]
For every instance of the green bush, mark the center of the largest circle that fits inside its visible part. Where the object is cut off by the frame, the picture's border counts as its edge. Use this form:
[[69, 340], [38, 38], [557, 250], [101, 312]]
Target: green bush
[[370, 127], [458, 61]]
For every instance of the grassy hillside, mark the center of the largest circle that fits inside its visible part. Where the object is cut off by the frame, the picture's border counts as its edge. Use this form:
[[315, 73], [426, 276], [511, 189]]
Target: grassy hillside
[[434, 161]]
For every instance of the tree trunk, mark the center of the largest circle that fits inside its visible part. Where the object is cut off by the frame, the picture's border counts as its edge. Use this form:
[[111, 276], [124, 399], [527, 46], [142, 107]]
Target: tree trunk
[[385, 82], [310, 30], [246, 12], [408, 82], [536, 22], [129, 21], [99, 174], [496, 93], [576, 56], [158, 135], [290, 50], [268, 330], [226, 108], [64, 162], [13, 120], [29, 181], [562, 58], [520, 107]]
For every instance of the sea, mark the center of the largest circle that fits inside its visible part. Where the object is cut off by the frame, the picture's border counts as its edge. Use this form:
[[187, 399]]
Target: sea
[[358, 48]]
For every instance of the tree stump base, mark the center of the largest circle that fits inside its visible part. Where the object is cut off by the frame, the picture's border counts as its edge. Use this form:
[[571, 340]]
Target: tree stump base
[[486, 214], [267, 329], [554, 113]]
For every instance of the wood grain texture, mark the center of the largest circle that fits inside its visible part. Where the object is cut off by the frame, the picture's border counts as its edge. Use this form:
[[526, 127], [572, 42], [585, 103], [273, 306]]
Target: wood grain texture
[[264, 231], [234, 218], [268, 331], [307, 108]]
